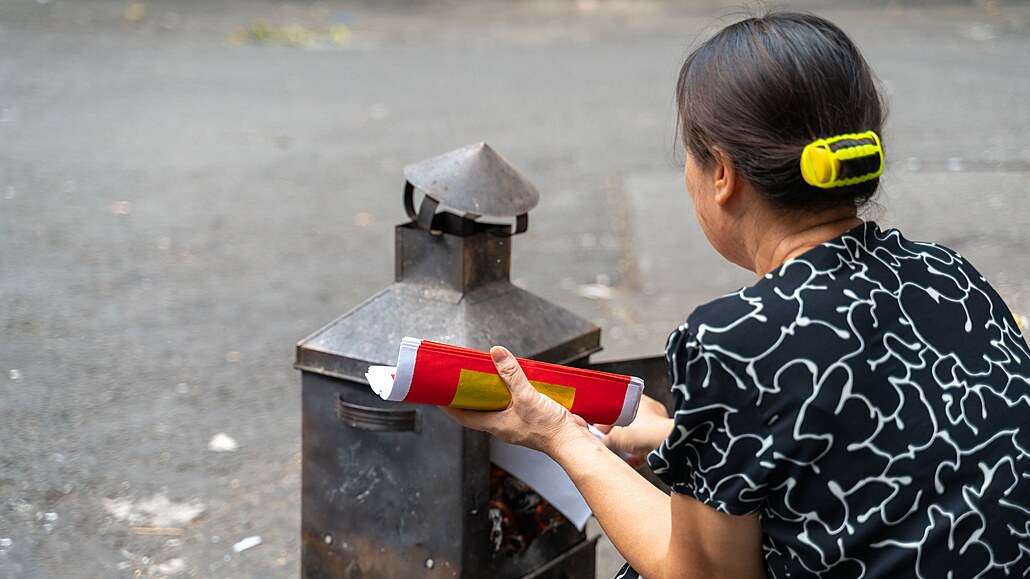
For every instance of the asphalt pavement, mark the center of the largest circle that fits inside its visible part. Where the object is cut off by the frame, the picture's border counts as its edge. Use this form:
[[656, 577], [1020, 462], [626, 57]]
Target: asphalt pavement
[[187, 188]]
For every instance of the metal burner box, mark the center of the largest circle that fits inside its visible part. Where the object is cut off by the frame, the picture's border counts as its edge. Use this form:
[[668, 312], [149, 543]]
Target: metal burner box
[[398, 490]]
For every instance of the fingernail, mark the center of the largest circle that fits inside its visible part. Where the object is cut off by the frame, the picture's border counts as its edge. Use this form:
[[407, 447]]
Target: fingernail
[[498, 354]]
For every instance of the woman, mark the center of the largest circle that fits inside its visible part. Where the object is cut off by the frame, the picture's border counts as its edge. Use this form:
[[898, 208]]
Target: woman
[[859, 410]]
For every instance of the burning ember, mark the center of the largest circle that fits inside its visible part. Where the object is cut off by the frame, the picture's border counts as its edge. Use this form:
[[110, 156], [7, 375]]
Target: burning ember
[[518, 515]]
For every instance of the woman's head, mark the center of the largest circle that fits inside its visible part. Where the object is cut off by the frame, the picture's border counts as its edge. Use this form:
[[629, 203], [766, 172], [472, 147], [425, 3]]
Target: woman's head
[[762, 89]]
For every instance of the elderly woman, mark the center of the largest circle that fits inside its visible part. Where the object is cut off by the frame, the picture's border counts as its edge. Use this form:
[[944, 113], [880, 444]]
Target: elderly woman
[[863, 409]]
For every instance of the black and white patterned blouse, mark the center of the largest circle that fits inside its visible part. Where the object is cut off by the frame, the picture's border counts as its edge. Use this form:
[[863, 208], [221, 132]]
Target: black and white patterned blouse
[[870, 400]]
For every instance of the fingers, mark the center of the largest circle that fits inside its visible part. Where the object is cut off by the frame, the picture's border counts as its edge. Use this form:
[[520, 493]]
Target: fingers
[[495, 422], [638, 438], [468, 418], [531, 419], [635, 461], [613, 439], [510, 371], [651, 407]]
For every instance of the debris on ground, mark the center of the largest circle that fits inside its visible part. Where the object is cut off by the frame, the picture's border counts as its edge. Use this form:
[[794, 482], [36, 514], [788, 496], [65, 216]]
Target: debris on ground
[[247, 543], [222, 442], [157, 511]]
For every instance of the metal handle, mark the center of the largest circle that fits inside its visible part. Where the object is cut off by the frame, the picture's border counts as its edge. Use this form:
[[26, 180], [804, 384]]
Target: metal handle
[[428, 219], [379, 419]]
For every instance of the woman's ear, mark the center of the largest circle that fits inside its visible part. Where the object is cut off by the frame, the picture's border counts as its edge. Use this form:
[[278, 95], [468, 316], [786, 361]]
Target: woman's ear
[[724, 177]]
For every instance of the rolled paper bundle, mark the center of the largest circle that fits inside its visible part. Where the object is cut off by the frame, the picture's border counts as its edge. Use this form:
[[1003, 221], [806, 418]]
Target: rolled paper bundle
[[444, 375]]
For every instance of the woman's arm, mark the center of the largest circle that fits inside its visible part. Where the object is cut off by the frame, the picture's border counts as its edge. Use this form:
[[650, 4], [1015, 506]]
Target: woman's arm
[[661, 537]]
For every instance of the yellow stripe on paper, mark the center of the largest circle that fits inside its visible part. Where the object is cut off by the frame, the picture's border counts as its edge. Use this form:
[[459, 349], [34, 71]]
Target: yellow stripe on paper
[[486, 391], [563, 395]]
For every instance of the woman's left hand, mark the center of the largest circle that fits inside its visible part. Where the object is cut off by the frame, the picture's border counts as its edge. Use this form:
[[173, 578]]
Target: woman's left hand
[[531, 419], [648, 430]]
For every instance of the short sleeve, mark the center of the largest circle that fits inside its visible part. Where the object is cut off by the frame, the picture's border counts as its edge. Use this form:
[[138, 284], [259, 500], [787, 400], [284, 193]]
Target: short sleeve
[[719, 450]]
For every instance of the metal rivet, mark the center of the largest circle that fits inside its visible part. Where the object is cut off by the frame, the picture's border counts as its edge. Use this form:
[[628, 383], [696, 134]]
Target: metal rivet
[[328, 539]]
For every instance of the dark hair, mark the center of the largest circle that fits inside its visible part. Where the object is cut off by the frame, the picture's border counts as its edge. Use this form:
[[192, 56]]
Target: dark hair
[[763, 88]]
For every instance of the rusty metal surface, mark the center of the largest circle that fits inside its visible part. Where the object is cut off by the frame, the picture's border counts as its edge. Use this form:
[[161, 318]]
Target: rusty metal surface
[[460, 263], [392, 490], [372, 334], [475, 180], [381, 502], [449, 289], [576, 563]]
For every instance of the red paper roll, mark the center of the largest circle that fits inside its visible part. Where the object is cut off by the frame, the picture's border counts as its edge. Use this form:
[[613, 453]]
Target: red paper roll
[[444, 375]]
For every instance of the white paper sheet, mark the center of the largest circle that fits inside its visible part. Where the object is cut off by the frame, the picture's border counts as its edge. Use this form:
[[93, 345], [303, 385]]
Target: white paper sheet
[[544, 476]]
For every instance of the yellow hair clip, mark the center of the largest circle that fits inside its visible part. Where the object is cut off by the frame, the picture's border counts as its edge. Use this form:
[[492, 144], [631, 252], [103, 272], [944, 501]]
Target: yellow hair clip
[[842, 160]]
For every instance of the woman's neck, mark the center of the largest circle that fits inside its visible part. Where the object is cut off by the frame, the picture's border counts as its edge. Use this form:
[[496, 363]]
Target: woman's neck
[[793, 235]]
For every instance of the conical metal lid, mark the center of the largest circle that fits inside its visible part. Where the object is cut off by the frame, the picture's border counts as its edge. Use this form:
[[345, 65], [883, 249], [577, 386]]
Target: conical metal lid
[[475, 180]]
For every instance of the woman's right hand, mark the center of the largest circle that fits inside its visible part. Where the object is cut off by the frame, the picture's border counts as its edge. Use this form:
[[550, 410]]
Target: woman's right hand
[[648, 430]]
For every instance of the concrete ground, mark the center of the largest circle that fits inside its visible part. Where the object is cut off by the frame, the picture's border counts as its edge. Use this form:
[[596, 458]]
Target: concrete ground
[[188, 188]]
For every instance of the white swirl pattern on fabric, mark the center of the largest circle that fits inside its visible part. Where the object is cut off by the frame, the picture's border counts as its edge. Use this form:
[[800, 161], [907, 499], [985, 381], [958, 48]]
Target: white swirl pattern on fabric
[[870, 400]]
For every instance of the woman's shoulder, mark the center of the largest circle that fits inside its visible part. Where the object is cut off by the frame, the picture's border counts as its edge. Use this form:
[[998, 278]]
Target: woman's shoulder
[[870, 246], [866, 259], [818, 292]]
